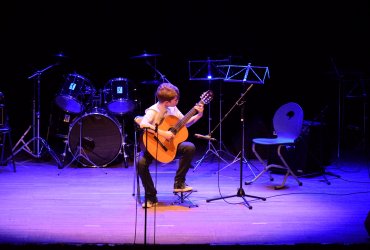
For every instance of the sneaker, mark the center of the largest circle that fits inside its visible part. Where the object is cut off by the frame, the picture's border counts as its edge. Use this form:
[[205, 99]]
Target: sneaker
[[149, 203], [181, 187]]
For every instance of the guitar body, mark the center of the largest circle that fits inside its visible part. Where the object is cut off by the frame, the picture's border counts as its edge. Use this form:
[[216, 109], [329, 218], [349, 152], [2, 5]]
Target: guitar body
[[160, 148]]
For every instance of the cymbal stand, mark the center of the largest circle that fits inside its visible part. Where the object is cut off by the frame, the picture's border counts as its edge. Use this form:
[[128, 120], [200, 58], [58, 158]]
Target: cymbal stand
[[157, 72], [163, 77], [207, 70], [38, 143], [240, 193]]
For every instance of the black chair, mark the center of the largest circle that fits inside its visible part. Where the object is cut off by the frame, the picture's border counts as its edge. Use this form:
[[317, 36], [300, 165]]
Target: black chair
[[5, 136]]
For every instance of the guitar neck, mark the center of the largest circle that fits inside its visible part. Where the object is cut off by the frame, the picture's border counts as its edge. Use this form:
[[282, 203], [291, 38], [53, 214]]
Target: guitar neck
[[185, 119]]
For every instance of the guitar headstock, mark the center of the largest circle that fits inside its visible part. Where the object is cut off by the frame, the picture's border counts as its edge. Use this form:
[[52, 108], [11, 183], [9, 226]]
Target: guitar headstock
[[207, 96]]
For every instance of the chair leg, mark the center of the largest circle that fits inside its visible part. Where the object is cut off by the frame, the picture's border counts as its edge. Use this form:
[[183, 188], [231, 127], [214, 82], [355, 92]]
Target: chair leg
[[11, 157], [12, 153], [265, 169], [3, 143], [288, 169]]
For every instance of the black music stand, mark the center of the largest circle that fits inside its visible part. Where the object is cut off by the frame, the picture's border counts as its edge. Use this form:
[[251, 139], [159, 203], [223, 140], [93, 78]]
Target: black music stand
[[249, 75], [244, 74], [38, 142], [208, 70]]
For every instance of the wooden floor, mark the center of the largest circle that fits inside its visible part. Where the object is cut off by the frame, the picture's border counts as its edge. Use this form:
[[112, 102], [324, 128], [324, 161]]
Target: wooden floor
[[89, 206]]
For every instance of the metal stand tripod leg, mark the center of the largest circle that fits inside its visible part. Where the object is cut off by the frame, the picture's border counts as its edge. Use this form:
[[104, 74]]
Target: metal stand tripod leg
[[236, 159], [211, 149], [22, 141], [39, 141], [80, 152], [240, 192]]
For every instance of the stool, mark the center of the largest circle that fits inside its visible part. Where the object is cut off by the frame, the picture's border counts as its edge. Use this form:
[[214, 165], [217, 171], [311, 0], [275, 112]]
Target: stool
[[182, 196], [5, 132]]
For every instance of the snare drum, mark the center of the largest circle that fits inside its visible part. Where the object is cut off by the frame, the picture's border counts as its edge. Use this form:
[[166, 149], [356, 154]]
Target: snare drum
[[116, 96], [75, 92]]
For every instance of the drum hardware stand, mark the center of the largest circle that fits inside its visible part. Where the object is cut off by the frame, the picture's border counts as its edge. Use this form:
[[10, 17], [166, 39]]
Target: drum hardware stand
[[207, 70], [66, 119], [38, 143], [240, 193], [123, 147], [81, 151]]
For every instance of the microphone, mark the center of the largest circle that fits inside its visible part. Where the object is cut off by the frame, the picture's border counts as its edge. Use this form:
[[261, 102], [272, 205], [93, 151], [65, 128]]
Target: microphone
[[205, 137]]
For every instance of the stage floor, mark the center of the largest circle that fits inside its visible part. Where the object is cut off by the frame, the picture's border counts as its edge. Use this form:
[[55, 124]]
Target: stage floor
[[44, 205]]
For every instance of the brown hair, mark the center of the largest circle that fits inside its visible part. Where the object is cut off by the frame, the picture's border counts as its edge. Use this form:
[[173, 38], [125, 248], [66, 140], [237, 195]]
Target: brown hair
[[167, 92]]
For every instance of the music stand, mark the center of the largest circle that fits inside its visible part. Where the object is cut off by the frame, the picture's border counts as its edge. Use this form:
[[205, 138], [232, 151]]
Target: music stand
[[208, 70], [37, 140], [245, 74]]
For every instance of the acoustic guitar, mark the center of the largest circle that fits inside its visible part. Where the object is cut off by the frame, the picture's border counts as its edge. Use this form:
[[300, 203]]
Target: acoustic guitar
[[165, 150]]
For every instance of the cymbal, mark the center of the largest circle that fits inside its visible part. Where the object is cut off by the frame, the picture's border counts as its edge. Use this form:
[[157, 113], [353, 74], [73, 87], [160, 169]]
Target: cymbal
[[145, 55], [60, 55], [152, 82]]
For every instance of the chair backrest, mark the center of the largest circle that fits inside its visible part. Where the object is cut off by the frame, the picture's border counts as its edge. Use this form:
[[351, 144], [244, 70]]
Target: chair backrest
[[288, 120]]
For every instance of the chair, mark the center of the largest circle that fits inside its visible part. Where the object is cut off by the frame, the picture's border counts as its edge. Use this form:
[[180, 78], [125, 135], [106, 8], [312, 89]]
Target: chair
[[287, 124], [5, 131]]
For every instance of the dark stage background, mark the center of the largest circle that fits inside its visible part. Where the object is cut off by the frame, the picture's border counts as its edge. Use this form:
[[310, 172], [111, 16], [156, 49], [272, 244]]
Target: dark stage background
[[316, 52]]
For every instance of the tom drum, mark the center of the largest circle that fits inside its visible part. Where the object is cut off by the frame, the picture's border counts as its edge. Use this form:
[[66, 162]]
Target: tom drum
[[75, 92], [116, 96]]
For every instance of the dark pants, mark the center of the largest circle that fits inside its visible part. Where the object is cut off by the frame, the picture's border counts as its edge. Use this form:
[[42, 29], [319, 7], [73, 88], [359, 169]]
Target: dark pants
[[185, 151]]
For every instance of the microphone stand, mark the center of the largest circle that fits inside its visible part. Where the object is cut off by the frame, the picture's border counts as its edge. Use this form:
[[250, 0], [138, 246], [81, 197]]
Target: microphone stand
[[37, 150], [240, 193], [145, 188]]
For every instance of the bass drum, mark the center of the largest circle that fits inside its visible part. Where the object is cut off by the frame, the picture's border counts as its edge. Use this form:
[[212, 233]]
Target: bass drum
[[101, 138]]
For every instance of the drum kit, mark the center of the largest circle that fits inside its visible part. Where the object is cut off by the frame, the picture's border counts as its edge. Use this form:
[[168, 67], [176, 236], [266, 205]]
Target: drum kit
[[95, 136]]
